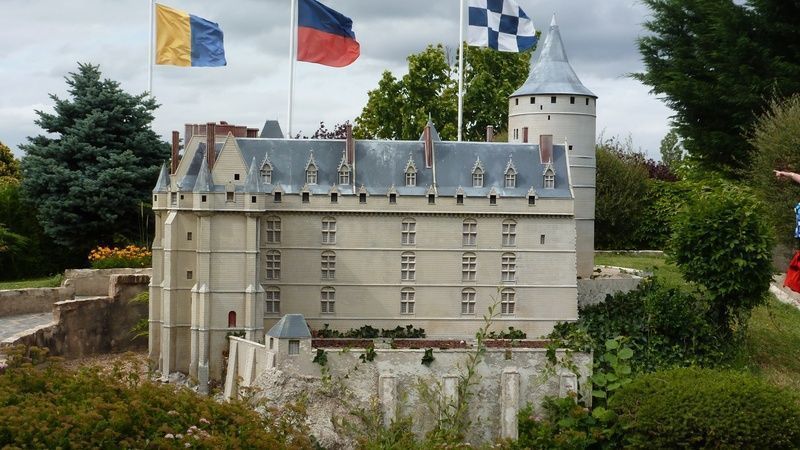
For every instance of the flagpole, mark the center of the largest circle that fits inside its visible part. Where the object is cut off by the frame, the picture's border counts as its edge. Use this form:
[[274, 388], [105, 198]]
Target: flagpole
[[150, 50], [460, 67], [292, 59]]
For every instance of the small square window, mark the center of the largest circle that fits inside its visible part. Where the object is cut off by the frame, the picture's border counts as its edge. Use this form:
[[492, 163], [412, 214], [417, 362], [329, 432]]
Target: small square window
[[393, 198], [294, 347], [492, 199], [334, 197], [203, 198], [431, 199], [533, 100], [552, 99], [460, 199], [572, 100], [541, 239], [155, 198], [189, 274], [236, 176], [189, 236], [253, 199], [276, 197], [181, 196], [362, 198], [570, 147], [306, 197], [531, 200], [229, 196]]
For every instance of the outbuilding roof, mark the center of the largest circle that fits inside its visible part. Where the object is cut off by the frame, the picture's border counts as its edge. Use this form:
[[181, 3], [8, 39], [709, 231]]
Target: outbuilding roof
[[291, 326]]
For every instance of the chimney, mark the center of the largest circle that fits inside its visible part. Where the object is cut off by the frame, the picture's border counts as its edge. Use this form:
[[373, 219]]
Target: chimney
[[211, 154], [188, 131], [525, 135], [350, 143], [175, 147], [252, 132], [489, 133], [426, 135], [546, 148]]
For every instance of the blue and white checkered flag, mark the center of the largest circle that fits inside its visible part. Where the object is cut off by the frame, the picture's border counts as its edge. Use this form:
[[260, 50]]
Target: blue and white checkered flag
[[501, 25]]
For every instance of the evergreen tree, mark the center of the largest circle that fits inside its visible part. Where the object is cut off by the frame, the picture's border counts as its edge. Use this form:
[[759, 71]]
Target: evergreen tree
[[89, 181]]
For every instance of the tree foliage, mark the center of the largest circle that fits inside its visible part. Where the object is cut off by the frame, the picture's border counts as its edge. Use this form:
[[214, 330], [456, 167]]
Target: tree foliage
[[776, 139], [400, 108], [9, 166], [671, 150], [715, 62], [90, 180]]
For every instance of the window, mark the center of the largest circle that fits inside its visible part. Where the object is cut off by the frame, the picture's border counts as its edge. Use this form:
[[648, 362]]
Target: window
[[460, 199], [236, 177], [508, 301], [327, 300], [306, 197], [509, 233], [408, 266], [272, 297], [328, 265], [508, 267], [173, 198], [203, 198], [469, 233], [392, 198], [344, 175], [189, 274], [541, 239], [570, 147], [181, 196], [277, 197], [232, 319], [155, 198], [271, 343], [511, 178], [362, 198], [189, 236], [548, 117], [549, 179], [468, 301], [572, 100], [516, 101], [272, 227], [334, 197], [411, 178], [477, 177], [533, 100], [272, 265], [407, 301], [229, 196], [329, 230], [252, 199], [552, 99], [311, 174], [587, 102], [431, 199], [294, 347], [266, 174], [531, 200], [493, 199], [469, 266], [408, 232]]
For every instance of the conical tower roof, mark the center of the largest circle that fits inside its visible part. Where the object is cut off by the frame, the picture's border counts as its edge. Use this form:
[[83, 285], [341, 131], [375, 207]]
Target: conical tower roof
[[162, 185], [253, 181], [551, 72], [204, 181]]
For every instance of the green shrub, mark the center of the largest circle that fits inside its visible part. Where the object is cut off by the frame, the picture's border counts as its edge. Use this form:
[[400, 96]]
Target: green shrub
[[621, 193], [563, 424], [56, 408], [663, 200], [702, 408]]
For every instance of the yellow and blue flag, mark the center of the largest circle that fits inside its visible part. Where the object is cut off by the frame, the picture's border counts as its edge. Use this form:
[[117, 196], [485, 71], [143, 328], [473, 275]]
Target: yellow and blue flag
[[184, 39]]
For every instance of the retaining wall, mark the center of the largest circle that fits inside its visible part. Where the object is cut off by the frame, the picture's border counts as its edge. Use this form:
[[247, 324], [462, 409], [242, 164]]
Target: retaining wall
[[95, 282], [30, 301]]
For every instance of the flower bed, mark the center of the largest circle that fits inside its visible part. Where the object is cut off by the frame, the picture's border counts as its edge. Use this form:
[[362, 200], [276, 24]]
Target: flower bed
[[423, 343], [113, 258]]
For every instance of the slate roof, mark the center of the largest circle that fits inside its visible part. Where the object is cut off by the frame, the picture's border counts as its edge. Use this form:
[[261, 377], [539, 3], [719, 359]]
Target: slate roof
[[272, 130], [162, 185], [379, 165], [291, 326], [550, 71], [189, 180]]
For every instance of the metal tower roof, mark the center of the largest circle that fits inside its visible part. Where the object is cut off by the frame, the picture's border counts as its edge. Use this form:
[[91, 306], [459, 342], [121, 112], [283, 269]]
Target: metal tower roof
[[551, 72]]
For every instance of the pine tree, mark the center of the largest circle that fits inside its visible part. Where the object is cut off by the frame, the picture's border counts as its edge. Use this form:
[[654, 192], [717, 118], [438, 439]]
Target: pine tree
[[88, 182]]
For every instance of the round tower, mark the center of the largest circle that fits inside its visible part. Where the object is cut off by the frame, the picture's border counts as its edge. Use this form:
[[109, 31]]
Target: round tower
[[553, 101]]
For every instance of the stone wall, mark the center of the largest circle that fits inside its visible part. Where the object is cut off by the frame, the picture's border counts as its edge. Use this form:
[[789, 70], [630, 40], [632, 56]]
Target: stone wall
[[30, 301], [94, 325], [95, 282], [507, 380], [609, 281]]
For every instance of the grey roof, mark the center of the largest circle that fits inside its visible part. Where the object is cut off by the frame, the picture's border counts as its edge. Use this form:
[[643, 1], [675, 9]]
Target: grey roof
[[434, 133], [551, 72], [291, 326], [162, 185], [272, 129], [253, 181], [204, 181], [189, 180]]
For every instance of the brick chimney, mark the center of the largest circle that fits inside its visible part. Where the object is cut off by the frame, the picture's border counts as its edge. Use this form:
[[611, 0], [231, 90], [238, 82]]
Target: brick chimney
[[252, 132], [546, 148], [350, 143], [175, 147], [489, 133], [428, 140], [211, 154]]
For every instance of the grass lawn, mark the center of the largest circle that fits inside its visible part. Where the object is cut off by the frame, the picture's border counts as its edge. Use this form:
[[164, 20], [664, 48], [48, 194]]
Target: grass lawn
[[53, 281], [773, 339]]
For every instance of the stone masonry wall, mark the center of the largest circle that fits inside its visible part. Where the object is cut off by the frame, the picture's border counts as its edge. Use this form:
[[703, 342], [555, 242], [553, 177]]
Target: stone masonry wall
[[29, 301], [95, 282]]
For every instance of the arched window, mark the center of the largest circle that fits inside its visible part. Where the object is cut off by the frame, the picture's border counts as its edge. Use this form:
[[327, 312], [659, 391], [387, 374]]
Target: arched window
[[344, 174], [272, 230], [328, 230], [549, 179], [477, 177], [469, 266], [468, 301], [311, 174], [411, 172], [511, 178], [407, 301], [327, 300], [272, 300], [266, 173], [408, 266], [408, 231], [508, 267], [272, 265], [328, 265], [508, 301], [232, 319], [509, 233], [469, 232]]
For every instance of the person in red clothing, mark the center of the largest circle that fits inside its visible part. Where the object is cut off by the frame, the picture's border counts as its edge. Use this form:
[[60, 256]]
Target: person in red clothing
[[792, 280]]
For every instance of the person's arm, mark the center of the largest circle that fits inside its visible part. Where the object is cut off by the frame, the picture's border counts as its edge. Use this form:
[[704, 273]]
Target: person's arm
[[790, 175]]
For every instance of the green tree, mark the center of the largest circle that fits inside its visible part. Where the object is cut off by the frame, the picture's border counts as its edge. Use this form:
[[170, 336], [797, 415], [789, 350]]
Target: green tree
[[9, 166], [715, 61], [399, 109], [776, 138], [89, 181], [722, 242], [671, 150]]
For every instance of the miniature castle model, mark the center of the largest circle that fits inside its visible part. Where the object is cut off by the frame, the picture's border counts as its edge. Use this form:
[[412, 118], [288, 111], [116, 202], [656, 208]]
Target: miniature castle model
[[347, 233]]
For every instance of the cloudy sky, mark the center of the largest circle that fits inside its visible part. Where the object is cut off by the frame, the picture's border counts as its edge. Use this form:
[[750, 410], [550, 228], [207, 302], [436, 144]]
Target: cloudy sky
[[47, 38]]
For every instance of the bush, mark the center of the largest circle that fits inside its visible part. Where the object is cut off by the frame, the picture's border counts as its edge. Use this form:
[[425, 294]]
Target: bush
[[702, 408], [56, 408], [662, 202], [722, 241], [621, 191], [564, 424], [112, 258]]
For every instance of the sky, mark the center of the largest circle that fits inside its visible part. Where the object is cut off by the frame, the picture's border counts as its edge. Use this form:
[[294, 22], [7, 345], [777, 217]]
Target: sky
[[47, 38]]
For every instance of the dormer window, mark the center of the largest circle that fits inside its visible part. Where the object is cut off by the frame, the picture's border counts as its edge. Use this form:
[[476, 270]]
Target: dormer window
[[477, 174], [311, 175], [411, 172], [510, 175], [266, 170], [549, 179], [344, 175]]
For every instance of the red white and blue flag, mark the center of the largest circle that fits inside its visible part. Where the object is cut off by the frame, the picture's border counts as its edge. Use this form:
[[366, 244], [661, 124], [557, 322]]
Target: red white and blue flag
[[325, 36]]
